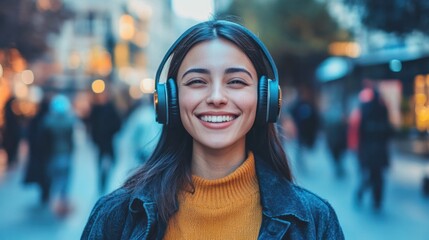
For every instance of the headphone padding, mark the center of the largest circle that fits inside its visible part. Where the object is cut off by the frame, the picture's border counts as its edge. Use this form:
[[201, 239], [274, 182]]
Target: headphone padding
[[173, 103], [274, 99], [261, 111], [160, 103]]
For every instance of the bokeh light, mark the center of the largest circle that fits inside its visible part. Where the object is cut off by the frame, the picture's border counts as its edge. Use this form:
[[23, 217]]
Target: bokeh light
[[98, 86], [135, 92], [126, 27], [395, 65], [27, 77], [147, 85]]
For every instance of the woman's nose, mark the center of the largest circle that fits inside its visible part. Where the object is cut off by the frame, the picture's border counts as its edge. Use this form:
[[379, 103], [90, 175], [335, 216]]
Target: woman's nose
[[217, 96]]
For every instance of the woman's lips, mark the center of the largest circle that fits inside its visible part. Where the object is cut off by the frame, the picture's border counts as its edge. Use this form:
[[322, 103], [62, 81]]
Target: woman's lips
[[217, 121]]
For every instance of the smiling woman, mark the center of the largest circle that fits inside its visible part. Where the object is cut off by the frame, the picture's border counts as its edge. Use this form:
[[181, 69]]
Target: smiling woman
[[219, 170], [212, 91]]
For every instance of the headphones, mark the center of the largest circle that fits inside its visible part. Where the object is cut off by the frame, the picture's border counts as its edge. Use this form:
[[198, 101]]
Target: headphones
[[269, 93]]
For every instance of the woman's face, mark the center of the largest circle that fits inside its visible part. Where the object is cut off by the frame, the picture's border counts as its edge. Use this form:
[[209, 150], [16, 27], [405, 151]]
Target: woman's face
[[217, 85]]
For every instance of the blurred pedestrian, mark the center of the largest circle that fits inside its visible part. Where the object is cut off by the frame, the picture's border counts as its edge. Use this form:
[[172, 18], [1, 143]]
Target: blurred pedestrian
[[37, 165], [307, 121], [353, 123], [12, 132], [375, 131], [219, 170], [145, 131], [58, 131], [286, 127], [104, 123], [335, 127]]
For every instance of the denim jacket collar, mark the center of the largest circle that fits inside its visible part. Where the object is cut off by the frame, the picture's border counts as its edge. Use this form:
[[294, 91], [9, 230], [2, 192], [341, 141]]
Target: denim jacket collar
[[143, 207], [278, 196], [279, 201]]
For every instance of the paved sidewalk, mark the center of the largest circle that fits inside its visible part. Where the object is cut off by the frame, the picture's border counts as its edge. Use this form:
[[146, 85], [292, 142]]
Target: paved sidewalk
[[405, 214], [24, 218]]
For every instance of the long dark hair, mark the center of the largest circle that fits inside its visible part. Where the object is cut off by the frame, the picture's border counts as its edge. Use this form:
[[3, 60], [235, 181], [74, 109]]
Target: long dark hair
[[168, 170]]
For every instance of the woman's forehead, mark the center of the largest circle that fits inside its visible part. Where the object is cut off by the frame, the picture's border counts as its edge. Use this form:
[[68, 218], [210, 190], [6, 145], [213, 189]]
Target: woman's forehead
[[216, 52]]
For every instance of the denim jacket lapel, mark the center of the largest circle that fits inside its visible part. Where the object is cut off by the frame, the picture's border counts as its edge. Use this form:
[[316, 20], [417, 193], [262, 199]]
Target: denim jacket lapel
[[143, 210], [273, 228], [279, 202]]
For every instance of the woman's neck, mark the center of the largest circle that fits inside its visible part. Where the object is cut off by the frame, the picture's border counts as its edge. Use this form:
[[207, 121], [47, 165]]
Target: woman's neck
[[217, 163]]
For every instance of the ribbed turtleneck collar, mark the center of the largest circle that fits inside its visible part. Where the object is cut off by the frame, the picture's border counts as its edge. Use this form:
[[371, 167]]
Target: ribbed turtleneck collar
[[217, 193]]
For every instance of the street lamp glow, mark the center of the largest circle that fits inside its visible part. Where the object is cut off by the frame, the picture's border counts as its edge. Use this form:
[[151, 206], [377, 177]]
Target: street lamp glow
[[27, 77], [147, 85], [126, 27], [348, 49], [98, 86]]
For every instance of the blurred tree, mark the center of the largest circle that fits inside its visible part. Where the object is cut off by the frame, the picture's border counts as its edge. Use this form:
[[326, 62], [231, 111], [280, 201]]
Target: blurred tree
[[400, 17], [26, 25], [297, 33]]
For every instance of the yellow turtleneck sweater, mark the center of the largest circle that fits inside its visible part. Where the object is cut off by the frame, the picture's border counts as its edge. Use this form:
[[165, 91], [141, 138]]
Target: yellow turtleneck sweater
[[225, 208]]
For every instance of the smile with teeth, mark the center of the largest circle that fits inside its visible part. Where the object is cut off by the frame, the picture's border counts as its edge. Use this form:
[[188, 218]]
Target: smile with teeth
[[217, 119]]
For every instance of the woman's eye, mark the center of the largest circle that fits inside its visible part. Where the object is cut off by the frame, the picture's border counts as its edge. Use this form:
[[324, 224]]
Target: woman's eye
[[194, 82], [237, 82]]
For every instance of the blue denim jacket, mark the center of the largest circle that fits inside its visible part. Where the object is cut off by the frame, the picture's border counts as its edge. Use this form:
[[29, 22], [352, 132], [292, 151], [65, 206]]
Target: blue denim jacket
[[288, 212]]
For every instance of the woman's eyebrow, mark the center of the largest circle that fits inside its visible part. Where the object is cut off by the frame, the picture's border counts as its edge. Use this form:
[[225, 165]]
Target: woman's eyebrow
[[196, 70], [237, 69]]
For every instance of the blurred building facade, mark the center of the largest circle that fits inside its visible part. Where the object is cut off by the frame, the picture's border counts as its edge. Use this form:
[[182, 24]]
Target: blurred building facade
[[108, 45], [116, 46], [396, 64]]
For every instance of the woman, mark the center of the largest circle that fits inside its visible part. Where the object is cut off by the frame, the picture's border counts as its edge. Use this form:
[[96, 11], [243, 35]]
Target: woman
[[219, 170]]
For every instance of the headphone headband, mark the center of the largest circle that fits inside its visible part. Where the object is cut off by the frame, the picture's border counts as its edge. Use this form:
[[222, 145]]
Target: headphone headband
[[262, 46]]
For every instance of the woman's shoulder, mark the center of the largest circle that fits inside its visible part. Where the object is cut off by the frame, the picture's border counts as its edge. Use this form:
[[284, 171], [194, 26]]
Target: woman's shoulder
[[320, 213], [278, 192], [320, 209], [315, 202], [120, 194], [114, 203], [108, 216]]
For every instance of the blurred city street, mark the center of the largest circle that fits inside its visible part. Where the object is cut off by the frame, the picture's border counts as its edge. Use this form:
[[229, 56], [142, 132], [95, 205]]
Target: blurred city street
[[405, 214], [352, 75]]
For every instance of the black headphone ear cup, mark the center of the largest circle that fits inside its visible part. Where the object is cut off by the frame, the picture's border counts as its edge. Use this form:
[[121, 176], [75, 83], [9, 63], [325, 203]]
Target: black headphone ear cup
[[261, 111], [173, 103], [160, 103], [274, 99]]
